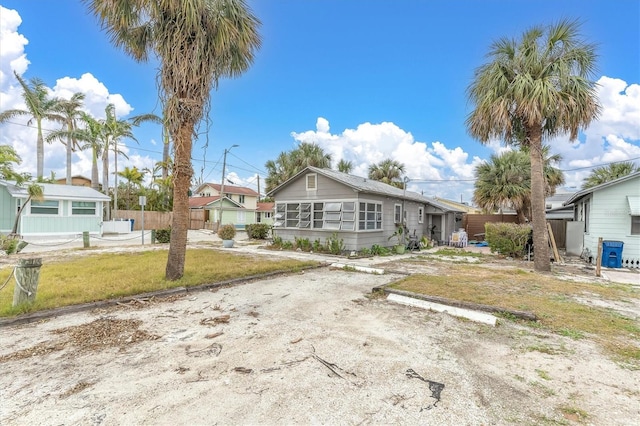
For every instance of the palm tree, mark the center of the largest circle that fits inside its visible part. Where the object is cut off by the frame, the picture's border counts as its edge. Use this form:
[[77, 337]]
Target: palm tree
[[345, 166], [535, 88], [39, 107], [608, 173], [92, 135], [34, 192], [309, 154], [133, 177], [69, 112], [9, 157], [505, 181], [288, 164], [388, 171], [197, 42]]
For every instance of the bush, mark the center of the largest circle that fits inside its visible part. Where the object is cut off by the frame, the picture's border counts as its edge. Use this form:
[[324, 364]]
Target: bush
[[302, 243], [508, 239], [8, 245], [227, 232], [163, 236], [334, 244], [258, 231]]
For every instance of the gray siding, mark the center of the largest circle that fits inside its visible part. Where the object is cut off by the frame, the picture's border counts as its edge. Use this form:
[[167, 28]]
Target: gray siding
[[326, 189]]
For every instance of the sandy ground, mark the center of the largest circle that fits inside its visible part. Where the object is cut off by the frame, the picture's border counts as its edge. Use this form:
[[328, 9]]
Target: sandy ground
[[309, 348]]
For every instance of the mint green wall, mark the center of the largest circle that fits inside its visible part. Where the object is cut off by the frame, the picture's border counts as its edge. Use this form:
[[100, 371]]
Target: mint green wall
[[61, 224], [8, 208]]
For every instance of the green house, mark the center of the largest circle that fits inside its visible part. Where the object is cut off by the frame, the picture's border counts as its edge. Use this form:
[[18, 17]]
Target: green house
[[65, 210]]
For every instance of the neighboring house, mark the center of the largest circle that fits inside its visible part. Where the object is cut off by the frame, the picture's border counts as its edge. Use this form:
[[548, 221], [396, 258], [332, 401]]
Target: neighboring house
[[611, 211], [239, 207], [316, 203], [65, 210], [77, 180], [265, 213], [466, 208], [558, 199]]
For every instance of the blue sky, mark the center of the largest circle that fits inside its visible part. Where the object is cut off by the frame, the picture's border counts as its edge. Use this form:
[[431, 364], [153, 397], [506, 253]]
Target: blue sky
[[364, 80]]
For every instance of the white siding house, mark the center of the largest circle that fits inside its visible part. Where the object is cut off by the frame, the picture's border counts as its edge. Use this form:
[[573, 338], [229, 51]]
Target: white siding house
[[611, 211]]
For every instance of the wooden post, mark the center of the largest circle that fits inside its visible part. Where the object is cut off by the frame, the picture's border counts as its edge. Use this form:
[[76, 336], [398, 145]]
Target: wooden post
[[27, 275], [599, 258], [552, 240], [85, 239]]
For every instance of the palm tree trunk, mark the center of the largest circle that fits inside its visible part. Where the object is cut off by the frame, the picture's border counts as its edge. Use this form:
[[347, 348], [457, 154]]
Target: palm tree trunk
[[39, 151], [541, 260], [94, 169], [105, 178], [69, 146], [165, 156], [14, 231], [182, 173]]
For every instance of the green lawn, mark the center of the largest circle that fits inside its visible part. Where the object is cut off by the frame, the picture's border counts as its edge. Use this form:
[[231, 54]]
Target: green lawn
[[107, 276]]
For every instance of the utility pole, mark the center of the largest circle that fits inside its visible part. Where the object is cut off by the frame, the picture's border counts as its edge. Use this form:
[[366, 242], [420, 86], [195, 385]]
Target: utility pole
[[224, 167], [258, 188]]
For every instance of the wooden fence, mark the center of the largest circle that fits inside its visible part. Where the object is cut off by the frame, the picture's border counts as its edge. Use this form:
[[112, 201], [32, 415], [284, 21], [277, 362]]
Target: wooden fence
[[474, 223], [159, 220]]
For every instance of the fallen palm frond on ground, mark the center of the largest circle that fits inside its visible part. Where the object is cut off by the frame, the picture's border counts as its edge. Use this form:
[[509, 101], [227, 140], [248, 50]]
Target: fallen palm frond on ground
[[114, 275], [574, 309]]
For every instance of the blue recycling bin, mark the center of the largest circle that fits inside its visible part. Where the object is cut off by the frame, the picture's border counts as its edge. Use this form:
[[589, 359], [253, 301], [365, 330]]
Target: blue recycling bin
[[612, 254]]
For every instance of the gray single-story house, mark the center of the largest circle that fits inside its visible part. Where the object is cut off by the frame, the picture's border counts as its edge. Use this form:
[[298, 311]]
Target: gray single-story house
[[612, 211], [315, 203], [65, 210]]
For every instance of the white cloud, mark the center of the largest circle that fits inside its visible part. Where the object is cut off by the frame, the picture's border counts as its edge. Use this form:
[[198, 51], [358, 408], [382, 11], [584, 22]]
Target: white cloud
[[12, 56], [371, 143], [23, 137]]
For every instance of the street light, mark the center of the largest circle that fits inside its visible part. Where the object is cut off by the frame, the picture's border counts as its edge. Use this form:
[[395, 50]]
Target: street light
[[224, 166]]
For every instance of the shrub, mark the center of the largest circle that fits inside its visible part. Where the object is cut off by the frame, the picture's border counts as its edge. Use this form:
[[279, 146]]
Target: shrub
[[303, 244], [258, 231], [277, 242], [227, 232], [378, 250], [9, 245], [317, 246], [163, 235], [508, 239], [335, 245]]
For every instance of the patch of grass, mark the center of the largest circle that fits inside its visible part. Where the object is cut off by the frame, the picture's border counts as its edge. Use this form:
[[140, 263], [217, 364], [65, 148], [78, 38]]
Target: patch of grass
[[545, 349], [544, 389], [574, 334], [573, 413], [457, 252], [543, 374], [107, 276], [555, 302]]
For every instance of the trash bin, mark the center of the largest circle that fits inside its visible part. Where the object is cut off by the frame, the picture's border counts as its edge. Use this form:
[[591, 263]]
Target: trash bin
[[612, 254], [131, 220]]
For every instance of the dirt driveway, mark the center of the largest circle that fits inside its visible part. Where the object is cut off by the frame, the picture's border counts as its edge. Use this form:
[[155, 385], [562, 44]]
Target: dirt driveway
[[309, 348]]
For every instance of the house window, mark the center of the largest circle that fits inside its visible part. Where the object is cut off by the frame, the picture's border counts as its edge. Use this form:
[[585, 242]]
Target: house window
[[240, 216], [635, 225], [420, 214], [397, 213], [44, 207], [318, 215], [241, 199], [312, 182], [586, 217], [83, 208], [322, 215], [369, 216], [267, 215]]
